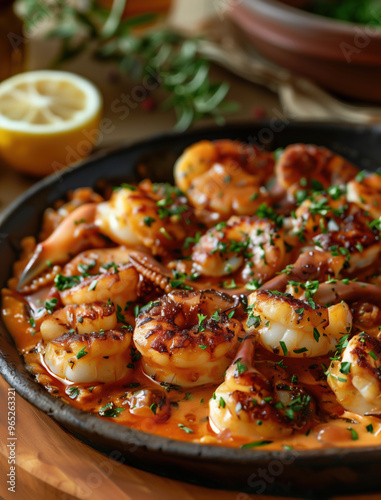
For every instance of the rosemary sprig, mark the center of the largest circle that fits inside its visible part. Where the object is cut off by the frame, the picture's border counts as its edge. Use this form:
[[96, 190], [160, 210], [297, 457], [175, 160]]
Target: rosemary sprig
[[164, 58]]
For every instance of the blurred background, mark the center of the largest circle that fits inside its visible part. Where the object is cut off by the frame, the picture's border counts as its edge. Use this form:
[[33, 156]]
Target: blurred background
[[174, 64]]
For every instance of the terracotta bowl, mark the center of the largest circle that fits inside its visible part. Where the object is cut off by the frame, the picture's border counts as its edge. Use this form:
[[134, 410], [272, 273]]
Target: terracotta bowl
[[343, 57]]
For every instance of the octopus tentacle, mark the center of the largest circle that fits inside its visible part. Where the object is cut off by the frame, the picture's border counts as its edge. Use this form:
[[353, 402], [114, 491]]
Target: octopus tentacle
[[152, 270]]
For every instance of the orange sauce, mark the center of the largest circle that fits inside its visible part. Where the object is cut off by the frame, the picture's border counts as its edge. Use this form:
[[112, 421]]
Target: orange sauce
[[189, 408]]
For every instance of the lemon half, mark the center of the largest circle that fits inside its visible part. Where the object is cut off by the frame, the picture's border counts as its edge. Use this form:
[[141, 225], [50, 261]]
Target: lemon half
[[48, 119]]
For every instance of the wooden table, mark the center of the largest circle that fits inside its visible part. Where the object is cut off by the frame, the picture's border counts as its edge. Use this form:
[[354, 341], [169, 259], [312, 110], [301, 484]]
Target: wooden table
[[52, 464]]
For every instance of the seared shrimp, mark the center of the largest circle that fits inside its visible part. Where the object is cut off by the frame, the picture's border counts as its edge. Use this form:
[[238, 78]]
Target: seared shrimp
[[74, 234], [119, 285], [355, 378], [96, 261], [153, 215], [149, 215], [188, 338], [367, 316], [295, 328], [80, 319], [258, 402], [339, 227], [224, 178], [225, 248], [317, 165], [54, 216], [90, 357], [366, 192]]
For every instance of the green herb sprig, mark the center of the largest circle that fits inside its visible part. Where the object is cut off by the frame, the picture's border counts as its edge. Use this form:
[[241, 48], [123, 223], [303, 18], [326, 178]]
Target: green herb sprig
[[162, 58]]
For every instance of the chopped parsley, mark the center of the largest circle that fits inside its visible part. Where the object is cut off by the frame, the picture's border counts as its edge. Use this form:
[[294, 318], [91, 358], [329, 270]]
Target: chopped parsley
[[253, 285], [373, 355], [316, 335], [300, 351], [230, 285], [241, 368], [189, 240], [369, 428], [153, 408], [255, 444], [345, 367], [185, 429], [354, 435], [201, 319], [110, 410], [81, 353], [65, 282], [84, 268], [266, 212], [73, 392], [50, 305], [216, 316], [148, 221], [284, 347], [253, 320]]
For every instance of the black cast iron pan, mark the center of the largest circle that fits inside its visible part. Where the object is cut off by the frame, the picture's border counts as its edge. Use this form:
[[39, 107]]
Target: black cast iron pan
[[319, 473]]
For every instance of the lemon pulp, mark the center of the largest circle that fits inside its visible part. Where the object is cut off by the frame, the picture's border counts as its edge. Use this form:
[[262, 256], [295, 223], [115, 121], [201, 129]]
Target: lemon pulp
[[48, 119]]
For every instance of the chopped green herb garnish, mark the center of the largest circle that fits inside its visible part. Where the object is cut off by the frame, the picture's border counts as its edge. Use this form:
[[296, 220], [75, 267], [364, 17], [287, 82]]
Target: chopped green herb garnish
[[201, 319], [50, 305], [65, 282], [133, 385], [345, 367], [354, 434], [284, 347], [73, 392], [299, 351], [148, 221], [185, 429], [153, 408], [110, 410], [216, 315], [241, 368], [316, 335], [81, 353], [255, 444], [253, 285], [230, 285], [165, 233]]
